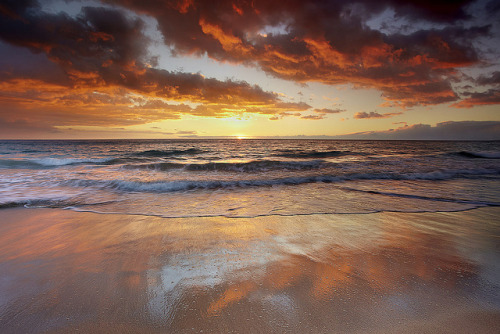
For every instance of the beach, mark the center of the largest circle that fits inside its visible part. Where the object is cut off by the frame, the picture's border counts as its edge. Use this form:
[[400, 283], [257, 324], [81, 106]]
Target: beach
[[388, 272], [302, 167]]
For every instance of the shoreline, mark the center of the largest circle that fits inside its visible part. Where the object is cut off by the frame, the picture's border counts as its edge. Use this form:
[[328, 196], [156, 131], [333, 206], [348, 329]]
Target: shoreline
[[386, 272]]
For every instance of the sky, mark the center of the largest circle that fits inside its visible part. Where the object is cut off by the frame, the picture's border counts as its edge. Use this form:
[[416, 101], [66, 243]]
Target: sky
[[358, 69]]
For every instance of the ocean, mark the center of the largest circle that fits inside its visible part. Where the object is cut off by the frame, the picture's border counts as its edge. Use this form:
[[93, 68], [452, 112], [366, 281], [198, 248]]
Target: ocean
[[249, 177], [249, 236]]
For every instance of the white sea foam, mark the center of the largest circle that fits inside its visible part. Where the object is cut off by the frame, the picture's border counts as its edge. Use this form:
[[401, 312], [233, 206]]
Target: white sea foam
[[67, 161]]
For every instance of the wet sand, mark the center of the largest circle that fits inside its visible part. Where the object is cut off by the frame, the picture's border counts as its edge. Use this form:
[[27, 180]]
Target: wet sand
[[64, 272]]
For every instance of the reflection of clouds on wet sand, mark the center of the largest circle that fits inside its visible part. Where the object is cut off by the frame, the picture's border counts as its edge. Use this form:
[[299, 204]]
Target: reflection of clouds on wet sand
[[299, 264], [317, 273]]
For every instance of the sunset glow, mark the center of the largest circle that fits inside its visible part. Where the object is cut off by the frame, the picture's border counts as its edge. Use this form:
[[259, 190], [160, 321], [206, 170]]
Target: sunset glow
[[177, 69], [249, 166]]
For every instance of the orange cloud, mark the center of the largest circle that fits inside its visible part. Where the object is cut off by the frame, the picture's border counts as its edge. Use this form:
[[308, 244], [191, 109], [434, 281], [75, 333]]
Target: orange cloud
[[94, 68], [183, 6], [324, 43], [106, 79], [228, 42], [117, 106], [324, 54]]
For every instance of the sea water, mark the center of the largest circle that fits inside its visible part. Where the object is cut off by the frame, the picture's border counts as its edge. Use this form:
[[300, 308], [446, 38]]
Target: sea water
[[249, 177]]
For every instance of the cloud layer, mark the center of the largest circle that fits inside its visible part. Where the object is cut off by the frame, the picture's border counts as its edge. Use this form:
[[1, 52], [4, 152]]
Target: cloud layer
[[93, 68], [464, 130], [96, 65], [330, 41]]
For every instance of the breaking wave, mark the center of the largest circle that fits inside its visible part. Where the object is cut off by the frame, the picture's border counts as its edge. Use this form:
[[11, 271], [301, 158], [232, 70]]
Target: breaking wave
[[169, 153], [187, 185], [47, 162], [480, 155], [314, 154], [251, 166]]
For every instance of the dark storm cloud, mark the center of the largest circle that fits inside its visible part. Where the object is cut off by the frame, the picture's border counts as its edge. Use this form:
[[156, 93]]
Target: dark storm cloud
[[490, 96], [440, 11], [493, 79], [493, 7], [432, 10], [17, 63], [95, 39], [329, 41]]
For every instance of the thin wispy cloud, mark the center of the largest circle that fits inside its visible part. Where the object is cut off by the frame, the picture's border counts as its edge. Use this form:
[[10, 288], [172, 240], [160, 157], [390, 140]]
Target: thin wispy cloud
[[373, 114]]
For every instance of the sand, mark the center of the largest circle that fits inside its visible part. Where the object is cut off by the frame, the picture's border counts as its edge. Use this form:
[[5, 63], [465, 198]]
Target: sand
[[64, 272]]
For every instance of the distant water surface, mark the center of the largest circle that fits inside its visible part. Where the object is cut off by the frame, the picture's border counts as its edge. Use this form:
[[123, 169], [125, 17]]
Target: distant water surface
[[249, 178]]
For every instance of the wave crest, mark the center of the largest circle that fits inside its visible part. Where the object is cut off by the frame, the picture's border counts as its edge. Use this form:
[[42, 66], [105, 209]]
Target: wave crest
[[168, 153], [47, 162], [187, 185], [314, 154], [247, 167], [480, 155]]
